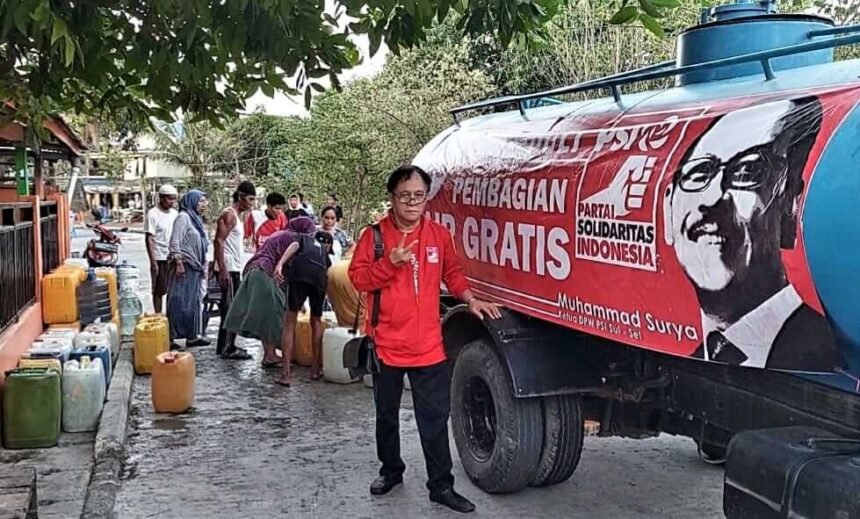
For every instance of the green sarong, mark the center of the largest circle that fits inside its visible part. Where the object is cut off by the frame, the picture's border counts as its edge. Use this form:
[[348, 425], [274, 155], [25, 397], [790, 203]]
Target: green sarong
[[257, 310]]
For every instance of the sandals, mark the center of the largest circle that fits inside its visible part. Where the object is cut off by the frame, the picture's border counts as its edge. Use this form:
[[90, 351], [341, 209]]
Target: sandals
[[281, 382], [275, 364], [237, 354]]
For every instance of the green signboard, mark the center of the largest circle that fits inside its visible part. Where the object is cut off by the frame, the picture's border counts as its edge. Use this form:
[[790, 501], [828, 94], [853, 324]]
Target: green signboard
[[22, 175]]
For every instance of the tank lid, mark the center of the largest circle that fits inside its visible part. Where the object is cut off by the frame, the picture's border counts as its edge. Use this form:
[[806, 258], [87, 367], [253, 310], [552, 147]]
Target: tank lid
[[738, 9]]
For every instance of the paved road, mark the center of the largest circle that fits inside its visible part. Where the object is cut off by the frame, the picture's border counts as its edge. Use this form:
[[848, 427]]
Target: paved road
[[253, 449]]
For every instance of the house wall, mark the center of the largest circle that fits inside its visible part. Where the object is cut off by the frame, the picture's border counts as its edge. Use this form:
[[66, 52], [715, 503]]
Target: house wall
[[145, 166], [18, 337], [8, 194]]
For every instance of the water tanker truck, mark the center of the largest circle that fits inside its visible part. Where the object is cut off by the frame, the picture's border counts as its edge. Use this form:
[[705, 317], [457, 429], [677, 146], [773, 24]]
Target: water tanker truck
[[680, 261]]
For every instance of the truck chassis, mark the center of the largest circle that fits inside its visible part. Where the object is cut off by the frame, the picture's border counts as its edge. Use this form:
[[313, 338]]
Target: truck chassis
[[522, 390]]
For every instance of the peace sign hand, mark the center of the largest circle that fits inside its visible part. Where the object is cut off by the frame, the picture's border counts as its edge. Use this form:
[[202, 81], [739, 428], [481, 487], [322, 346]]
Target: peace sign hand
[[402, 253]]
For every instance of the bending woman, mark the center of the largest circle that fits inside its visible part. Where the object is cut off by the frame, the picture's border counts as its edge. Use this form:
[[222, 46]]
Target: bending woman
[[258, 308], [187, 272]]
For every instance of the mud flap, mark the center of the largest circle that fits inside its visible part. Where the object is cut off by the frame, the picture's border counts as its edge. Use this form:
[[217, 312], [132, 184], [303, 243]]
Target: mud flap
[[792, 472]]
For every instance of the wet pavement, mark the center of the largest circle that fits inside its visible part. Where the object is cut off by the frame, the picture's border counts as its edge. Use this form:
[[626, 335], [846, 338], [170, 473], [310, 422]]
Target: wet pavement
[[62, 473], [250, 448]]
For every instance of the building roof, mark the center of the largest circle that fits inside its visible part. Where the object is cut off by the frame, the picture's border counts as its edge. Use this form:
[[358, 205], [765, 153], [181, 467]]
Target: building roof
[[60, 133]]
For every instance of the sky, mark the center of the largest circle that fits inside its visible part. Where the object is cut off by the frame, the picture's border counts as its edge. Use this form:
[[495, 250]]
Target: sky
[[284, 105]]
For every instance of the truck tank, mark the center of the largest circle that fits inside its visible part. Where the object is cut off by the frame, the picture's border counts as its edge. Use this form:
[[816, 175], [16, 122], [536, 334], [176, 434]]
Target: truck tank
[[715, 220]]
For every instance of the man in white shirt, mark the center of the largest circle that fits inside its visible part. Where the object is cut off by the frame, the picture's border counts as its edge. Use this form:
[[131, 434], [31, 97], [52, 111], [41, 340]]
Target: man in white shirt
[[158, 227], [729, 211]]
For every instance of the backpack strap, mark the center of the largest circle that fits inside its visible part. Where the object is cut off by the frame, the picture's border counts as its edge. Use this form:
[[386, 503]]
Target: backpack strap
[[378, 252]]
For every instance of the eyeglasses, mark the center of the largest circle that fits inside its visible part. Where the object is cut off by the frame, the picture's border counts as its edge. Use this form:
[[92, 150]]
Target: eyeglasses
[[744, 172], [415, 198]]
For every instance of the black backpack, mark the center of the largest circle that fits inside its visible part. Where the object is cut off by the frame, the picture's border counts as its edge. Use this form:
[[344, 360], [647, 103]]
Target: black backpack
[[310, 264]]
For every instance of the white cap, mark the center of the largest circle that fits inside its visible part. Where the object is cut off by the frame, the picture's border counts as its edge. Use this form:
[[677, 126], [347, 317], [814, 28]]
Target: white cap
[[168, 190]]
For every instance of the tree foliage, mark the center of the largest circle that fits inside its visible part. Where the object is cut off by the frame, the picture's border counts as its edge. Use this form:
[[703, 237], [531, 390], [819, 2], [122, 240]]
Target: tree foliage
[[199, 147], [157, 57], [353, 138]]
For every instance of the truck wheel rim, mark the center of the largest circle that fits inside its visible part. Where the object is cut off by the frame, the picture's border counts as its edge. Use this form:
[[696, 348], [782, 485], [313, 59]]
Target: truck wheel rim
[[480, 423]]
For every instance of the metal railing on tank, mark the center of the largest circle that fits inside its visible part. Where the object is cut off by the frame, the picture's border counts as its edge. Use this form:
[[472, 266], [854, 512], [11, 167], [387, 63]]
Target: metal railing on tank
[[17, 262], [818, 40], [50, 237]]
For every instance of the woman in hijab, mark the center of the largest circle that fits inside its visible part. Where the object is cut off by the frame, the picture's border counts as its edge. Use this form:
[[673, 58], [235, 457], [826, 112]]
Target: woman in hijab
[[187, 274], [259, 306]]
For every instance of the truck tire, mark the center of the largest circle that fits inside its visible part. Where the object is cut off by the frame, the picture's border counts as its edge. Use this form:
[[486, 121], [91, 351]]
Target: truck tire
[[498, 436], [562, 440], [712, 454]]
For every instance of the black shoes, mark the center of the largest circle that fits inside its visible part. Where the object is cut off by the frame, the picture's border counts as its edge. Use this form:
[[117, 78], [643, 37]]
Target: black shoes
[[450, 498], [383, 485], [199, 341]]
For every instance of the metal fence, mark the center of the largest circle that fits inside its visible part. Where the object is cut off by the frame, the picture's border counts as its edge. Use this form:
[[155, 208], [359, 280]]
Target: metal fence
[[17, 272], [50, 243]]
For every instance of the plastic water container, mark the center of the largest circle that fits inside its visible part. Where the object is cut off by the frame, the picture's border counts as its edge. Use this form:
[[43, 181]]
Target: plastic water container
[[31, 408], [59, 297], [151, 339], [64, 334], [94, 300], [130, 309], [38, 361], [93, 337], [334, 340], [329, 319], [77, 262], [108, 274], [130, 306], [83, 394], [108, 329], [128, 277], [75, 326], [303, 346], [159, 318], [62, 345], [303, 342], [80, 270], [100, 351], [173, 382]]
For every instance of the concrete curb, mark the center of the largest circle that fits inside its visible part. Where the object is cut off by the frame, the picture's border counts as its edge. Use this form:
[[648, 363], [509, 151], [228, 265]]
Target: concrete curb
[[110, 442]]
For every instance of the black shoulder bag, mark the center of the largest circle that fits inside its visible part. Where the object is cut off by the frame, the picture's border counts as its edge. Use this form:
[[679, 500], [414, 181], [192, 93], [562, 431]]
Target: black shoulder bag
[[359, 354]]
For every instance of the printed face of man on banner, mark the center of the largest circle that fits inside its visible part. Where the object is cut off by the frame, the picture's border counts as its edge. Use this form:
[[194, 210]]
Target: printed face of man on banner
[[729, 210]]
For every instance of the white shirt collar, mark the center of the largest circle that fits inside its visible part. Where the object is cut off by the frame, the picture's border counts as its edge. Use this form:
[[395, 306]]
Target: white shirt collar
[[756, 331]]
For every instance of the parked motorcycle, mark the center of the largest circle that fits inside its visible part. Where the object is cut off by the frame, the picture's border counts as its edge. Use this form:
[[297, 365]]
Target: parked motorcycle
[[102, 251]]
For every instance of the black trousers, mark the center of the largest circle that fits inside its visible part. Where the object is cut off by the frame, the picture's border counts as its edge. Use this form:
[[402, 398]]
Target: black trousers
[[226, 340], [431, 397]]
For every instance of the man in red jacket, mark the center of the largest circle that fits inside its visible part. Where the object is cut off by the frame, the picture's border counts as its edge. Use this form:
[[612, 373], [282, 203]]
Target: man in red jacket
[[418, 256]]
